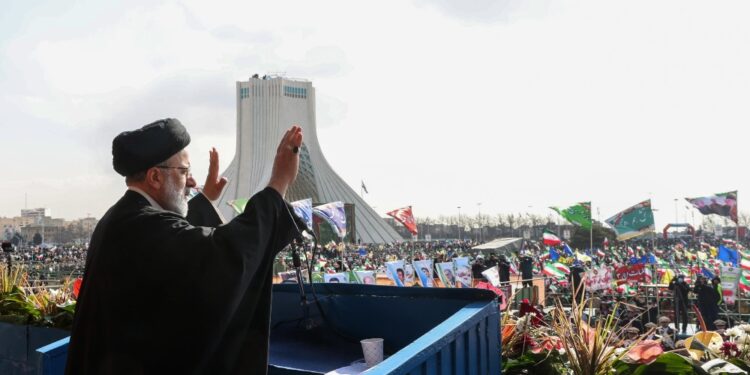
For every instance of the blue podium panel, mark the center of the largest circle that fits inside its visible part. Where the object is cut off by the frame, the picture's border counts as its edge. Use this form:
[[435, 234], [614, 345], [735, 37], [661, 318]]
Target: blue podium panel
[[425, 331]]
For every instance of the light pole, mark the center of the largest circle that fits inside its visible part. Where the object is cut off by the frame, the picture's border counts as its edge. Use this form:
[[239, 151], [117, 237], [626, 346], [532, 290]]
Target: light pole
[[676, 219], [459, 223], [481, 228]]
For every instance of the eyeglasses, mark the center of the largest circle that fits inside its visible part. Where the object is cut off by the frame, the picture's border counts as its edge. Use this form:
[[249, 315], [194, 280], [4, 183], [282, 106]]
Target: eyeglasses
[[185, 170]]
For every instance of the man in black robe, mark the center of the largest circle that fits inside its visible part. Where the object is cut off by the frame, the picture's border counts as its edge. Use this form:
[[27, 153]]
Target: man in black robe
[[167, 288]]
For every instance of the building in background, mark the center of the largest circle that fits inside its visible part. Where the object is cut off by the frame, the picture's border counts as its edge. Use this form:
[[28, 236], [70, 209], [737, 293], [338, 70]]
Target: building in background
[[266, 108]]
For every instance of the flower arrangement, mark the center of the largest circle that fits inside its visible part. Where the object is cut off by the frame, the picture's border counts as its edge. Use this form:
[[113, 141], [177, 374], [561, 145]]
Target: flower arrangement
[[22, 303]]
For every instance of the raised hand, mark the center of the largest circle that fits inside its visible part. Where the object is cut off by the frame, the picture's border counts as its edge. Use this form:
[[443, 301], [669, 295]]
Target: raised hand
[[214, 185], [286, 162]]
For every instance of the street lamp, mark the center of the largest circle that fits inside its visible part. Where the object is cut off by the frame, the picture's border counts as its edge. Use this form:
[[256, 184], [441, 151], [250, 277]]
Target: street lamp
[[459, 223], [479, 209]]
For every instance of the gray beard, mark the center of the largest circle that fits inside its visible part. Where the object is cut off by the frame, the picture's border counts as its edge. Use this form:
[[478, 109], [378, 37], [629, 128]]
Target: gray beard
[[176, 199]]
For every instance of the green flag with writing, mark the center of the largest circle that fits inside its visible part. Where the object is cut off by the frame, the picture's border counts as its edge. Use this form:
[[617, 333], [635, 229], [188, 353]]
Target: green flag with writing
[[579, 214], [633, 222]]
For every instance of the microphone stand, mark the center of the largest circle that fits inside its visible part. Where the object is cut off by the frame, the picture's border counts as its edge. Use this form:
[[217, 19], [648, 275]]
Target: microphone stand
[[307, 322]]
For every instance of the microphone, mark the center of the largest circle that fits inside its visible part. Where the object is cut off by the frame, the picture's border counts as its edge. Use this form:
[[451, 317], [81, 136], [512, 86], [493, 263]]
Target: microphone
[[300, 227]]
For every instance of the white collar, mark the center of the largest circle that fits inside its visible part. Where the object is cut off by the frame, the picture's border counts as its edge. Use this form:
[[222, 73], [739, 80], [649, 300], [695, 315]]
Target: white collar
[[150, 200]]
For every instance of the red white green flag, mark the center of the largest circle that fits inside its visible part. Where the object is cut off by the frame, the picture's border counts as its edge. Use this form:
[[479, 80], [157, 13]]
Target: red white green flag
[[550, 238]]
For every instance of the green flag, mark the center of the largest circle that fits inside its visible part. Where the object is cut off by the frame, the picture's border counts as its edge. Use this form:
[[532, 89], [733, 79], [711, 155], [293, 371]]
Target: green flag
[[579, 214], [633, 222], [239, 204]]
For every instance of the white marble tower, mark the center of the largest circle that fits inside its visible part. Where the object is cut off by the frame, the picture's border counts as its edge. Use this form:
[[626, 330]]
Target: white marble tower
[[266, 108]]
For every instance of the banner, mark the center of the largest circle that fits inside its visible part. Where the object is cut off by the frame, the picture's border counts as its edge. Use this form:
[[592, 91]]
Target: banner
[[634, 272], [334, 214], [424, 272], [599, 278], [395, 272], [579, 214], [463, 272], [492, 275], [408, 275], [303, 209], [633, 222], [730, 276], [722, 204], [445, 272], [341, 277], [405, 217], [366, 277]]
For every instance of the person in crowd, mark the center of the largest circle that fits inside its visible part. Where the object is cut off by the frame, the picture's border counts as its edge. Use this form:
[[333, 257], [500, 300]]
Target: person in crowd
[[526, 264], [707, 301], [680, 291], [666, 333]]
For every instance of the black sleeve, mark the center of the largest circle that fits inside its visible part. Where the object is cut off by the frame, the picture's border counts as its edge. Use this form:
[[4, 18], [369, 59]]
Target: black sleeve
[[201, 212]]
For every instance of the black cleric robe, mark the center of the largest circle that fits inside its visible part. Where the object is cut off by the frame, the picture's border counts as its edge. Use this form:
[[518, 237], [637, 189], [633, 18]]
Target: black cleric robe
[[163, 294]]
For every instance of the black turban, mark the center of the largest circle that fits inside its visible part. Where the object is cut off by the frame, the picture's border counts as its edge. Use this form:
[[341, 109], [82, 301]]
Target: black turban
[[138, 150]]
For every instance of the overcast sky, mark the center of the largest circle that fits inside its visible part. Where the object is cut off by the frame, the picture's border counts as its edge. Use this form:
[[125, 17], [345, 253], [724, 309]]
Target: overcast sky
[[434, 104]]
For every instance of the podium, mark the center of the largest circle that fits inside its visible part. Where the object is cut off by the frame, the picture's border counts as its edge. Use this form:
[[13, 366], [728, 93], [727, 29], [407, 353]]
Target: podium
[[425, 330]]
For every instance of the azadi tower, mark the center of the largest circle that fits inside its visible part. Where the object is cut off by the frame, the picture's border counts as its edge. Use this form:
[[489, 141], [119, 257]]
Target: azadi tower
[[266, 108]]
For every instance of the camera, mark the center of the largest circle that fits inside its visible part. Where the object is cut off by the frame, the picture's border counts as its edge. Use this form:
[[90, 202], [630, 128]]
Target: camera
[[7, 246]]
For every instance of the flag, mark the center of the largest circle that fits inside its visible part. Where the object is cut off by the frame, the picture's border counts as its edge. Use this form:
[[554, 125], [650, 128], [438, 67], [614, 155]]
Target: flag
[[633, 221], [567, 250], [334, 214], [405, 217], [744, 283], [600, 253], [303, 209], [579, 214], [239, 204], [556, 270], [707, 273], [583, 257], [550, 238], [553, 254], [364, 188], [722, 204], [745, 263], [728, 255], [605, 243]]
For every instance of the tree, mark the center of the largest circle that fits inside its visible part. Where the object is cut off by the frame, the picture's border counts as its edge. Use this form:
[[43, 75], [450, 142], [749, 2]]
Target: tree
[[37, 240], [581, 237]]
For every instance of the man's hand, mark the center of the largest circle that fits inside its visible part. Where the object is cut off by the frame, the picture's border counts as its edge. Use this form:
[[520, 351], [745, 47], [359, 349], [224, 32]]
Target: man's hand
[[286, 163], [214, 185]]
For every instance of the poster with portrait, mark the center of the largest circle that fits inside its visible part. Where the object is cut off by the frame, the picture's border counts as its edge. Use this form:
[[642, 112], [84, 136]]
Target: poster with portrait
[[290, 277], [445, 272], [366, 277], [492, 275], [395, 271], [408, 275], [462, 270], [730, 276], [340, 277], [423, 269]]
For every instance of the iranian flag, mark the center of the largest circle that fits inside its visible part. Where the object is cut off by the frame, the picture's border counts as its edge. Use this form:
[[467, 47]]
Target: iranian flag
[[556, 270], [550, 238], [600, 253], [744, 283], [745, 263]]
